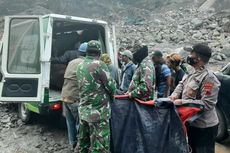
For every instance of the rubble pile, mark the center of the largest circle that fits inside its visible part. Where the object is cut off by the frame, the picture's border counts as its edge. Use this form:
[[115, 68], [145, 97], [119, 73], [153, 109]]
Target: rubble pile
[[166, 25], [178, 28]]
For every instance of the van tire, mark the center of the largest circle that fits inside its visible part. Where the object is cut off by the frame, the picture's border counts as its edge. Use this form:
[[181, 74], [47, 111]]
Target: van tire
[[222, 128], [24, 114]]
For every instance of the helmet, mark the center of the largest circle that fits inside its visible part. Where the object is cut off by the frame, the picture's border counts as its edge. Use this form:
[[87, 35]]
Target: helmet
[[94, 45], [83, 47], [106, 59]]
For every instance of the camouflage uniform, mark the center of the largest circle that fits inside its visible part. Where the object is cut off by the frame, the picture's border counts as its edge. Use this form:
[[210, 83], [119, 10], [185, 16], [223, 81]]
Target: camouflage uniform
[[142, 84], [96, 89]]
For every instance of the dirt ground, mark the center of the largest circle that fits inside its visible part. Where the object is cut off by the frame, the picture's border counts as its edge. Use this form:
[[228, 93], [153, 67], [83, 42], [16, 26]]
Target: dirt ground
[[224, 147], [43, 135]]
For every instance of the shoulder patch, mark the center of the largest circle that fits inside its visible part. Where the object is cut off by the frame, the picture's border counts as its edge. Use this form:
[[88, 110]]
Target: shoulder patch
[[208, 86]]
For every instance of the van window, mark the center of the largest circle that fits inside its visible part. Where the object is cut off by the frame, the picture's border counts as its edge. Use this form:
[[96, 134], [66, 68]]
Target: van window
[[24, 46]]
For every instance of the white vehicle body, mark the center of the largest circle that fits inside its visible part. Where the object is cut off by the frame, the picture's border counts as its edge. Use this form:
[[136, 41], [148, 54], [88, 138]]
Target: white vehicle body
[[28, 45]]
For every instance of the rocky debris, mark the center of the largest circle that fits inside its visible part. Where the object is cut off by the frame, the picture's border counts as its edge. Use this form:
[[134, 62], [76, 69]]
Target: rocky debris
[[177, 28], [219, 56], [38, 137], [159, 24]]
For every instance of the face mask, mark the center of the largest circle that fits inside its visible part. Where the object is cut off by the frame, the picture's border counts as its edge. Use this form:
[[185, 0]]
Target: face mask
[[191, 61]]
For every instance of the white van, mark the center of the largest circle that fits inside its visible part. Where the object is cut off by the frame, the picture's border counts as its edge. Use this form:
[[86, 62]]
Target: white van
[[29, 42]]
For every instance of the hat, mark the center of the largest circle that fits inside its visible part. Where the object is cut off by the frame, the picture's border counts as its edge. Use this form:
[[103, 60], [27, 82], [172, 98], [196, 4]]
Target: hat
[[94, 45], [106, 59], [83, 47], [127, 53], [202, 49], [157, 53]]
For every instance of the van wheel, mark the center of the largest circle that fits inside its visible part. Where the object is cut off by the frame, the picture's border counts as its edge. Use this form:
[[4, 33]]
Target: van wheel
[[24, 114], [222, 128]]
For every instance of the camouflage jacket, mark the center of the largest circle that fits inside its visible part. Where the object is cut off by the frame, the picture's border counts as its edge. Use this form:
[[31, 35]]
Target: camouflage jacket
[[142, 84], [96, 89]]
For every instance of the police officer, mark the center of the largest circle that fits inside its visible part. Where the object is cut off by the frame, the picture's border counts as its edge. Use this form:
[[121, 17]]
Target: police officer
[[96, 89], [200, 87], [70, 97]]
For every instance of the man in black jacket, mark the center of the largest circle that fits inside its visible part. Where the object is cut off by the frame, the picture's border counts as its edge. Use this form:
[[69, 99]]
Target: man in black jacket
[[68, 55], [58, 66]]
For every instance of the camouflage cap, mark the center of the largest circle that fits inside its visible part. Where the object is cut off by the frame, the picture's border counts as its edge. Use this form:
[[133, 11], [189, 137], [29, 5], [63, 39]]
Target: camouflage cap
[[94, 45]]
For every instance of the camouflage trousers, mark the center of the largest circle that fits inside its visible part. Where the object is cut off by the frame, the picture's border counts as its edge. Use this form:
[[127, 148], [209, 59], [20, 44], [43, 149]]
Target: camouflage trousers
[[94, 137]]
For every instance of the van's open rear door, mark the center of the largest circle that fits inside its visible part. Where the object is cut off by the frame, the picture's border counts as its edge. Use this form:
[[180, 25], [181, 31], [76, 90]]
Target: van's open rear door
[[21, 65]]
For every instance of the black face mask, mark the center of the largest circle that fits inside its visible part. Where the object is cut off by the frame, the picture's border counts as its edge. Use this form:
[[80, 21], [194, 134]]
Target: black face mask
[[191, 61]]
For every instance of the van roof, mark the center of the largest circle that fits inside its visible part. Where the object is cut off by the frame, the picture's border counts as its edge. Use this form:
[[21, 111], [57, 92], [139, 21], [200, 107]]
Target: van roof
[[65, 17]]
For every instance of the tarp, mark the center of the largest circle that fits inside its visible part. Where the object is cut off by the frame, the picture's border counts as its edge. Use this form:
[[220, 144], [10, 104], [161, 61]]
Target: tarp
[[138, 128]]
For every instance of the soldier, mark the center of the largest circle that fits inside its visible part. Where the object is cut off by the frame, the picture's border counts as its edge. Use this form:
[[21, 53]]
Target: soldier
[[200, 87], [142, 84], [96, 89], [70, 98]]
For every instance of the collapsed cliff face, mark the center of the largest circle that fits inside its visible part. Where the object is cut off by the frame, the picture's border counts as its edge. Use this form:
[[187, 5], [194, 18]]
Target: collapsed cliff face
[[84, 8]]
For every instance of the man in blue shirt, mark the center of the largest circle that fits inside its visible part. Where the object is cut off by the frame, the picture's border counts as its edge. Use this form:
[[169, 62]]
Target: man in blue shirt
[[163, 75]]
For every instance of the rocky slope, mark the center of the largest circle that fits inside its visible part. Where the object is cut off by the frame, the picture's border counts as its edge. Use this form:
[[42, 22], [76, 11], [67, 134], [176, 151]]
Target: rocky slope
[[167, 25]]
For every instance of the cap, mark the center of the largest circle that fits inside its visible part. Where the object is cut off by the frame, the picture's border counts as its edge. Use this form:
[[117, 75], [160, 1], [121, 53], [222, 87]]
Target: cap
[[83, 47], [157, 53], [94, 45], [202, 49], [127, 53]]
